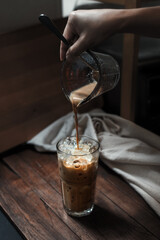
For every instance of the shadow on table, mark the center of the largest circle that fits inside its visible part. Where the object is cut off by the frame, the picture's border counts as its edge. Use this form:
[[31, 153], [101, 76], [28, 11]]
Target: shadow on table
[[105, 221]]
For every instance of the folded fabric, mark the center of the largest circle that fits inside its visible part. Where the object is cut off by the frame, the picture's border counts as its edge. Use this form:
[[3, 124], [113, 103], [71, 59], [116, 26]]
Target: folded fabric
[[130, 150]]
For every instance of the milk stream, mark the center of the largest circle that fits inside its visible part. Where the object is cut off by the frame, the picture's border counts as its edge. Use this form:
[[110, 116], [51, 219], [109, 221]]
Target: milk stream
[[76, 97]]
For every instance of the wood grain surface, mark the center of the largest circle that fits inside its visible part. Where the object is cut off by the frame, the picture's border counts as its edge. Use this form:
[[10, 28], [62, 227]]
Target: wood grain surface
[[31, 197]]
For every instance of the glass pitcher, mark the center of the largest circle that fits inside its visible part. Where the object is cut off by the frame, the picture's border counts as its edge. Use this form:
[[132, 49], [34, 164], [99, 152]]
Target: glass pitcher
[[98, 72]]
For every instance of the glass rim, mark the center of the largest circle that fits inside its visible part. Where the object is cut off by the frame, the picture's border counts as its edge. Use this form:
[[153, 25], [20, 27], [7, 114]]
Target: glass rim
[[98, 146]]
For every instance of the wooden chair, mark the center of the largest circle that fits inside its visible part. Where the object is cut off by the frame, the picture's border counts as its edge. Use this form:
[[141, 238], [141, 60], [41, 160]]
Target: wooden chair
[[129, 64]]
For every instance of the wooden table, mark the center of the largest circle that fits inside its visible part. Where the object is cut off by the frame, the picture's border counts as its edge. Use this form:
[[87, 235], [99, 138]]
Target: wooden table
[[30, 195]]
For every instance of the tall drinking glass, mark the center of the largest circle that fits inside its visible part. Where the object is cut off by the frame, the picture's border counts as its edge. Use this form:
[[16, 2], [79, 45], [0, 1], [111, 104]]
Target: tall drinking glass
[[78, 170]]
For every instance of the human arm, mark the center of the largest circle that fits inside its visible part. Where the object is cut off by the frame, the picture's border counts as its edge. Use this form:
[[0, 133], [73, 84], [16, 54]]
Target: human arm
[[87, 28]]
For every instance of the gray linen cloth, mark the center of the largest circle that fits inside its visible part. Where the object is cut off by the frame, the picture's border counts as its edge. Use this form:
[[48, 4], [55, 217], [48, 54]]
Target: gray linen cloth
[[128, 149]]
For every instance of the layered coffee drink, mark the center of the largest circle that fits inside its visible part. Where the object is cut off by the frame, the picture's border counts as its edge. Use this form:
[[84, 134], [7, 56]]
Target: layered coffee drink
[[78, 163], [78, 170]]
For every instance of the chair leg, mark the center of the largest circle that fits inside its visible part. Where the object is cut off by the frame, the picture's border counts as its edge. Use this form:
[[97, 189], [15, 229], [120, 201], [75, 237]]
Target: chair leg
[[129, 70], [129, 76]]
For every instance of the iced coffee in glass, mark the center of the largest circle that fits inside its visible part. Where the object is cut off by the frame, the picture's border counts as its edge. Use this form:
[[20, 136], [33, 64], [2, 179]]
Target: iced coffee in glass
[[78, 170]]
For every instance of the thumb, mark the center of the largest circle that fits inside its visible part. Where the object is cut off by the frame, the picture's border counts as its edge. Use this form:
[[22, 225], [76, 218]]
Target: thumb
[[77, 48]]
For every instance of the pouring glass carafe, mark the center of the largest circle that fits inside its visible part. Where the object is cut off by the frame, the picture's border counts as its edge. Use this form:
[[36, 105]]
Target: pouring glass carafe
[[89, 76]]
